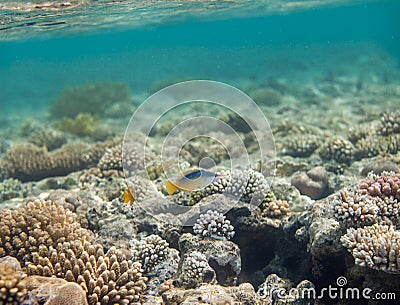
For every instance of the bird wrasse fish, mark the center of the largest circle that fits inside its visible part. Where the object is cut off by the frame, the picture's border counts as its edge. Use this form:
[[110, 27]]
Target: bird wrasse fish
[[129, 195], [191, 180]]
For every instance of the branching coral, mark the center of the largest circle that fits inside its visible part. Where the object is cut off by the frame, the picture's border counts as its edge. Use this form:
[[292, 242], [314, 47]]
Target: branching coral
[[84, 124], [213, 224], [11, 288], [48, 240], [301, 146], [376, 247], [337, 149], [10, 188], [249, 185], [39, 223], [385, 185], [88, 98], [358, 209], [277, 208], [390, 123], [107, 278], [194, 270], [150, 250]]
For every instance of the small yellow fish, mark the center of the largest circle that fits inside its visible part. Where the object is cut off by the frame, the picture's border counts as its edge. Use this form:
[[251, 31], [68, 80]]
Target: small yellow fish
[[129, 195], [192, 179]]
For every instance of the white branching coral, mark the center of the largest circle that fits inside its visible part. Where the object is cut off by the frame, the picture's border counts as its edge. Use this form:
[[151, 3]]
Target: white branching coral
[[150, 250], [376, 247], [248, 185], [195, 265], [359, 209], [213, 224]]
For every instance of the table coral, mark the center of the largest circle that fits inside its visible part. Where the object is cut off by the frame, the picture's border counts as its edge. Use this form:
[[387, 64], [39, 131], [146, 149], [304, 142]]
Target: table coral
[[90, 98], [28, 162], [376, 247]]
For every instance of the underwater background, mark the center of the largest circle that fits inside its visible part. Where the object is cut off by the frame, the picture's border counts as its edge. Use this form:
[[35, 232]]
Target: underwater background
[[319, 208]]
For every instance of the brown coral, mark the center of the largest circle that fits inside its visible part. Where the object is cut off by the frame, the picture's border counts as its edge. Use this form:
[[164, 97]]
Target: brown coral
[[11, 288], [390, 123], [50, 242], [338, 149], [39, 223], [277, 208], [108, 278], [376, 247], [28, 162]]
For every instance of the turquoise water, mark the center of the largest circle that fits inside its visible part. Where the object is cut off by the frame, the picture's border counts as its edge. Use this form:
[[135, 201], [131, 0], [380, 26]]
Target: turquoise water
[[294, 45]]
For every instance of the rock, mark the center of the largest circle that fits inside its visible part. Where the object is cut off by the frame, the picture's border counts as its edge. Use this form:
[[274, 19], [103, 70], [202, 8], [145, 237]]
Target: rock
[[213, 294], [52, 291], [314, 183], [276, 290], [379, 166], [223, 256]]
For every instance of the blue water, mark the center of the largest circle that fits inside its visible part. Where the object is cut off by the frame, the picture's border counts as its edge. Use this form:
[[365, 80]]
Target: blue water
[[296, 45]]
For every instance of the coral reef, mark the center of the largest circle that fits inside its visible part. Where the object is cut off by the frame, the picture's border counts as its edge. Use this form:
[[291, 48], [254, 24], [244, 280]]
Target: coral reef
[[390, 123], [212, 294], [314, 183], [387, 184], [301, 146], [337, 149], [84, 124], [52, 291], [213, 224], [49, 241], [249, 185], [266, 97], [194, 270], [274, 285], [89, 98], [378, 166], [38, 224], [28, 162], [150, 250], [107, 278], [376, 247], [10, 188], [223, 256], [11, 275], [276, 208], [42, 135]]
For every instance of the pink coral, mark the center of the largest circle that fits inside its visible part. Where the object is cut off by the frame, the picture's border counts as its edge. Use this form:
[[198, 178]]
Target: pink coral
[[385, 185]]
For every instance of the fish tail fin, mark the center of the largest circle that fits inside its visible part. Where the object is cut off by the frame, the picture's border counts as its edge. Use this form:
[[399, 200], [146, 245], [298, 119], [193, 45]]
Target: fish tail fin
[[126, 197], [171, 188]]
